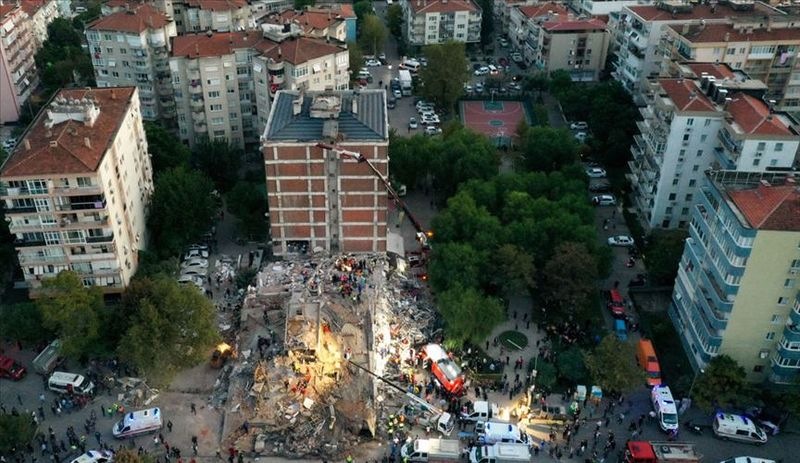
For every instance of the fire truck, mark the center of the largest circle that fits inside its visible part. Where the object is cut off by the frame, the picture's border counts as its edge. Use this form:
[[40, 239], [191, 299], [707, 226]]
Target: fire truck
[[661, 452], [446, 371]]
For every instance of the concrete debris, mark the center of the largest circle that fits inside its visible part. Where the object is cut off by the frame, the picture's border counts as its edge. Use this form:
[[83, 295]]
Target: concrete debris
[[135, 392]]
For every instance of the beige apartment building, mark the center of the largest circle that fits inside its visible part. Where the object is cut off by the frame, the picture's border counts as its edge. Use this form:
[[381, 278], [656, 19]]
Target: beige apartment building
[[211, 15], [42, 13], [764, 48], [223, 81], [335, 22], [75, 189], [131, 46], [438, 21], [551, 39], [18, 75]]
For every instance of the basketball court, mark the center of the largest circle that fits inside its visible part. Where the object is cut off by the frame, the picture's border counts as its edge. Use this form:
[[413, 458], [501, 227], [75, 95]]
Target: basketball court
[[498, 120]]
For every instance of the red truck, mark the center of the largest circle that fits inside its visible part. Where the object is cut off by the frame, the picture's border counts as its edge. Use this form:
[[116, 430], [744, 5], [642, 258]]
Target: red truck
[[661, 452], [9, 368], [444, 368]]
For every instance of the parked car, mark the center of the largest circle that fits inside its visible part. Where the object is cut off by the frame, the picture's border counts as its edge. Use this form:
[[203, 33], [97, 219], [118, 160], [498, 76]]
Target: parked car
[[516, 57], [197, 271], [9, 144], [600, 188], [196, 254], [195, 263], [468, 88], [372, 63], [596, 172], [479, 87], [397, 93], [579, 125], [412, 123], [432, 130], [191, 279], [10, 368], [430, 119], [95, 456], [604, 200], [481, 71], [621, 240], [581, 136]]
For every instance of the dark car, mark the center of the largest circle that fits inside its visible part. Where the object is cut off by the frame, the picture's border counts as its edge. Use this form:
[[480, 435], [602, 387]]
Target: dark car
[[600, 188], [10, 368]]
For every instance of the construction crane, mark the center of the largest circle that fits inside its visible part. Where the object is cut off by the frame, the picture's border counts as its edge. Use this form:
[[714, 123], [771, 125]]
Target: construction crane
[[421, 234]]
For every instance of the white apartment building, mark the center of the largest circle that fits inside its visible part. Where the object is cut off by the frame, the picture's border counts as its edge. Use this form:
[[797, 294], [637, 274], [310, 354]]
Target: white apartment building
[[18, 76], [601, 7], [42, 13], [211, 15], [75, 189], [223, 81], [502, 10], [639, 29], [131, 47], [437, 21], [692, 125]]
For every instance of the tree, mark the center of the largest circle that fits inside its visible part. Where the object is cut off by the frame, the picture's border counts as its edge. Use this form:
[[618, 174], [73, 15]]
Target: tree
[[537, 82], [167, 150], [664, 250], [61, 56], [302, 4], [181, 210], [23, 321], [356, 58], [362, 9], [469, 316], [547, 149], [723, 384], [394, 19], [174, 327], [73, 312], [373, 34], [464, 155], [219, 160], [546, 376], [449, 256], [514, 271], [612, 365], [247, 201], [571, 365], [487, 20], [15, 432], [570, 277], [410, 157], [445, 75]]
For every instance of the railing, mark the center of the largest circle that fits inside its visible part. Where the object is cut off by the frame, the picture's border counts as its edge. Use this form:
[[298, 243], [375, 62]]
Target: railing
[[27, 243], [100, 239], [20, 209]]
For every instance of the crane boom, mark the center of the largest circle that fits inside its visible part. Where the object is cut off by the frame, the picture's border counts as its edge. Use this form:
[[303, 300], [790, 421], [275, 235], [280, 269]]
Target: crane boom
[[422, 235]]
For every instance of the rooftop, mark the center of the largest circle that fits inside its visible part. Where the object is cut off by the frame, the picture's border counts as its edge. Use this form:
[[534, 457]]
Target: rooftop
[[294, 50], [574, 25], [5, 9], [71, 134], [137, 18], [32, 6], [725, 33], [686, 95], [441, 6], [217, 5], [545, 10], [718, 11], [766, 206], [317, 116], [752, 116], [715, 70]]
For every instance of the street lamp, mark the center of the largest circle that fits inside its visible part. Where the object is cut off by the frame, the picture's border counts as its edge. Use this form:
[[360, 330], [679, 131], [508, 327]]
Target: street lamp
[[702, 371]]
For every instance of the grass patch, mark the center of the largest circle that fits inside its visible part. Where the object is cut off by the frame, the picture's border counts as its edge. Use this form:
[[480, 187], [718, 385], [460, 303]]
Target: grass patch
[[675, 367], [513, 340]]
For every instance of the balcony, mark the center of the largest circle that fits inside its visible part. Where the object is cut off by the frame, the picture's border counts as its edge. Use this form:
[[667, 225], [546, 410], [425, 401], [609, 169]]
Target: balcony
[[79, 203], [100, 239], [195, 89], [198, 117], [200, 128], [20, 209], [29, 243], [193, 75], [78, 190]]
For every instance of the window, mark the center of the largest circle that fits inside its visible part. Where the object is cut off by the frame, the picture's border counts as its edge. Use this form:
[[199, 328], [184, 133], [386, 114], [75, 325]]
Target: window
[[675, 182], [668, 211], [773, 162], [692, 182], [690, 121], [695, 167], [212, 81], [672, 196], [686, 137], [778, 146], [700, 152], [776, 319], [216, 107], [703, 137], [689, 197], [761, 146], [213, 94], [217, 120], [708, 122], [109, 50], [796, 262], [783, 300], [123, 51], [756, 162], [300, 71], [685, 211], [770, 336]]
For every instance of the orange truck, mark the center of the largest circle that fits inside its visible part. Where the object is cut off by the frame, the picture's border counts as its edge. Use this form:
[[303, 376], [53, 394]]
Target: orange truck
[[646, 358]]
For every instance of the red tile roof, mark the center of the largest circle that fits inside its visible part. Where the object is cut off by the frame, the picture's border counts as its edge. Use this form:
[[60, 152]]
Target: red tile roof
[[686, 95], [6, 8], [295, 51], [653, 13], [62, 149], [716, 70], [217, 5], [754, 117], [137, 19], [719, 33], [769, 207], [308, 20], [574, 25], [535, 11], [32, 6], [441, 6]]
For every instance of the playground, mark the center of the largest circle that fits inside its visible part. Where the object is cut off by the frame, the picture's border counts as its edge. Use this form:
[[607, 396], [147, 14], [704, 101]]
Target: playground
[[498, 120]]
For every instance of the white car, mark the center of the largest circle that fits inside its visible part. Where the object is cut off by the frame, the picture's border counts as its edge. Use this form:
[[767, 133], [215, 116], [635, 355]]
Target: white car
[[430, 120], [482, 71], [596, 172], [412, 123], [479, 87], [581, 136], [468, 88], [432, 130], [196, 254], [95, 456], [604, 200], [516, 57], [397, 93], [621, 240], [9, 144], [195, 263], [579, 125], [422, 103], [195, 271], [196, 280], [372, 63]]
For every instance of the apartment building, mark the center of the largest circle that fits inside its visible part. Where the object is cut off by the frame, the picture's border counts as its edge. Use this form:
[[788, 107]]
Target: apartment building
[[211, 15], [131, 47], [437, 21], [318, 199], [552, 39], [594, 8], [638, 31], [691, 125], [334, 22], [503, 8], [222, 81], [766, 50], [42, 13], [18, 76], [75, 189], [737, 287]]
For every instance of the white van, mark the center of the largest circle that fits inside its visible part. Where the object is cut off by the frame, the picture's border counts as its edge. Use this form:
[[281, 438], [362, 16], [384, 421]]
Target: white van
[[492, 432], [425, 450], [139, 422], [69, 383], [500, 453], [665, 408], [411, 65], [728, 426], [95, 456]]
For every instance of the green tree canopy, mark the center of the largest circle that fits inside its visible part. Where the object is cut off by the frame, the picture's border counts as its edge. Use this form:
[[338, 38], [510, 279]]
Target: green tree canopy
[[723, 384], [410, 157], [247, 201], [61, 55], [487, 20], [173, 328], [664, 251], [362, 9], [613, 367], [445, 75], [373, 34], [219, 160], [450, 256], [571, 365], [469, 315], [167, 150], [72, 311], [464, 155], [356, 58], [394, 19], [547, 149], [302, 4], [546, 376], [570, 277], [513, 270], [23, 321], [15, 432], [181, 210]]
